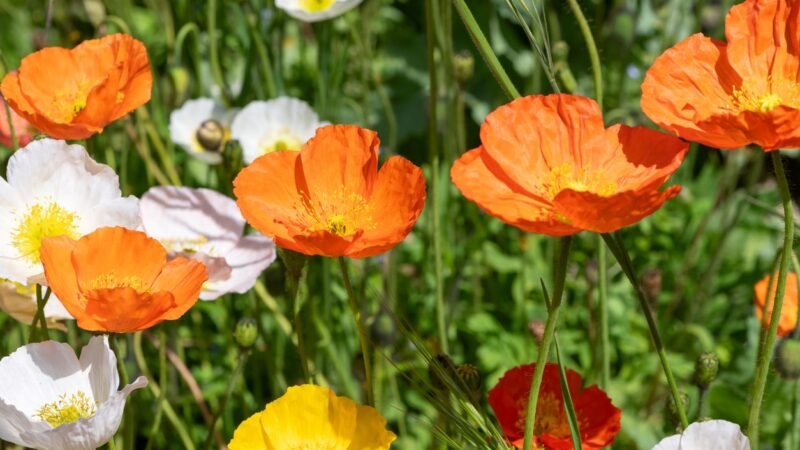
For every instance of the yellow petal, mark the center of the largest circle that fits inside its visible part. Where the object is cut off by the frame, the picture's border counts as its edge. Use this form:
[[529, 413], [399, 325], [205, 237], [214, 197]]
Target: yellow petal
[[371, 432], [248, 435]]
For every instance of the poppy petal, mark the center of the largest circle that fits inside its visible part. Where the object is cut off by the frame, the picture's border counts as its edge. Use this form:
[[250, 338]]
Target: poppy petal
[[183, 278]]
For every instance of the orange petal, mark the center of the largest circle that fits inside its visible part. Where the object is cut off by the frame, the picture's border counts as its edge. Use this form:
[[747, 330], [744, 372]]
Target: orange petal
[[123, 310], [118, 251], [788, 319], [764, 39], [183, 278], [267, 195], [396, 203], [643, 156], [339, 158], [592, 212], [687, 91], [478, 183], [323, 243], [530, 136], [56, 255]]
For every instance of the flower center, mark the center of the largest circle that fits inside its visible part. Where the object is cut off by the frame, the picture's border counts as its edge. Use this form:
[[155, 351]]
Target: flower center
[[550, 416], [111, 280], [69, 102], [67, 409], [342, 213], [43, 221], [566, 177], [282, 140], [211, 136], [314, 6], [762, 96]]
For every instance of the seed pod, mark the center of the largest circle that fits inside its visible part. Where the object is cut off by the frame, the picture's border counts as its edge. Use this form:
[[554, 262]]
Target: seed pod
[[471, 377]]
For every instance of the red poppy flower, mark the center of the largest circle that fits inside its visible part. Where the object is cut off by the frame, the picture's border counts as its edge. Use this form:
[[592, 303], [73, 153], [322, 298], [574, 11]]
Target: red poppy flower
[[75, 93], [548, 165], [598, 419], [329, 198], [788, 319], [730, 94]]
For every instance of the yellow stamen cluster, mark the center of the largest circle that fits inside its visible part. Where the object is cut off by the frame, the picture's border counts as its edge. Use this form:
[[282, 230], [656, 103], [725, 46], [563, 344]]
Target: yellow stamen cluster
[[762, 96], [550, 416], [342, 213], [567, 176], [186, 245], [280, 141], [40, 222], [69, 102], [314, 6], [67, 409], [111, 280]]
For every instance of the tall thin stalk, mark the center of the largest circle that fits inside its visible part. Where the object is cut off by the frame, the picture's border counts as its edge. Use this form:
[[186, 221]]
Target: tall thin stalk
[[765, 355], [363, 337]]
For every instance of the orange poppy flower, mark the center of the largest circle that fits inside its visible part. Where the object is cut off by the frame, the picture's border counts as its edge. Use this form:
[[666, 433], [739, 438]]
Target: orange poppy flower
[[73, 94], [119, 280], [22, 129], [547, 165], [727, 95], [329, 198], [598, 419], [788, 320]]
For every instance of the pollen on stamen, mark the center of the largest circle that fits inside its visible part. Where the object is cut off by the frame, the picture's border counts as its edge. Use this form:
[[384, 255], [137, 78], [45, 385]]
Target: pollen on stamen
[[763, 96], [40, 222], [342, 213], [113, 281], [67, 409]]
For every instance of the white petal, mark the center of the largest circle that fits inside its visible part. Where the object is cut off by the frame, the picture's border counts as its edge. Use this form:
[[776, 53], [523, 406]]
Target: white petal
[[670, 443], [13, 423], [122, 212], [38, 374], [247, 260], [714, 435], [184, 122], [179, 214], [87, 434], [260, 119], [99, 365], [293, 9]]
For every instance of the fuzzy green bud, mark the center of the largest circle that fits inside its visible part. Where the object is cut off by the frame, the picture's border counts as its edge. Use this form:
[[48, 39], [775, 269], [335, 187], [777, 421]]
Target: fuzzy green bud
[[706, 369], [463, 66], [246, 332], [471, 377], [787, 358], [672, 411]]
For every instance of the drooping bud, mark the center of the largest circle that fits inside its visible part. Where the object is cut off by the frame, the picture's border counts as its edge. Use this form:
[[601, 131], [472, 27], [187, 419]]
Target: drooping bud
[[440, 369], [706, 368], [471, 377], [463, 66], [246, 332], [211, 135], [787, 358]]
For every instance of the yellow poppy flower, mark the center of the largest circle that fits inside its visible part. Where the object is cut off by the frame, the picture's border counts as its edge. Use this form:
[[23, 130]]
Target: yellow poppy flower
[[311, 416]]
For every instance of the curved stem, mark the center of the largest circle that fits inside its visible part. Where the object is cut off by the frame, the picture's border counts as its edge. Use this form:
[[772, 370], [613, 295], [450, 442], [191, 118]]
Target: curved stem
[[765, 356], [485, 49], [433, 153], [621, 254], [597, 71], [362, 331], [554, 306]]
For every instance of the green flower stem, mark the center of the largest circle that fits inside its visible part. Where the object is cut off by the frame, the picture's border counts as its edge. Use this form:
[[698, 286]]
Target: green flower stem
[[243, 355], [765, 355], [264, 60], [216, 69], [602, 294], [362, 331], [38, 331], [553, 307], [617, 248], [485, 49], [177, 423], [597, 72], [14, 141], [433, 150]]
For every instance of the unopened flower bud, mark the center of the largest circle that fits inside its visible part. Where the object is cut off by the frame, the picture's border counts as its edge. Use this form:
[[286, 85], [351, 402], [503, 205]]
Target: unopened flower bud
[[246, 332], [536, 328], [560, 50], [211, 135], [787, 358], [441, 371], [672, 411], [463, 66], [179, 77], [706, 368]]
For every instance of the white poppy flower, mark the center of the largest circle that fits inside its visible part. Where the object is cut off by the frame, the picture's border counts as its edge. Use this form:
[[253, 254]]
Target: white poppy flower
[[316, 10], [709, 435], [19, 302], [51, 400], [54, 189], [201, 127], [284, 123], [205, 225]]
